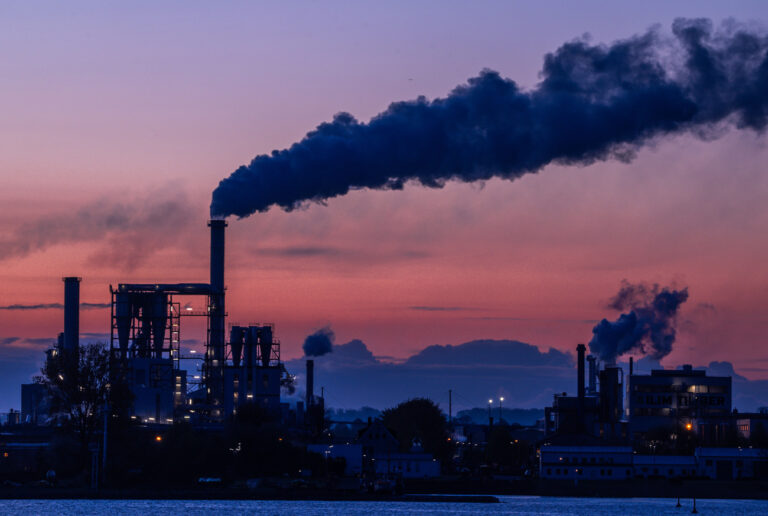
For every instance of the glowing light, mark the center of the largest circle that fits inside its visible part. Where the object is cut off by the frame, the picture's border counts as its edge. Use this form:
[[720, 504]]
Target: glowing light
[[688, 426], [158, 438]]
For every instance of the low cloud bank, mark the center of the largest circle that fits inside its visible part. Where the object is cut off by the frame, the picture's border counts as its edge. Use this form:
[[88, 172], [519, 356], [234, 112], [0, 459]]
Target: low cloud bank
[[475, 371]]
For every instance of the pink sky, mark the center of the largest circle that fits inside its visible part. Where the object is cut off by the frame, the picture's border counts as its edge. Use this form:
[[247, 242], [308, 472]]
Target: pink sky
[[107, 105]]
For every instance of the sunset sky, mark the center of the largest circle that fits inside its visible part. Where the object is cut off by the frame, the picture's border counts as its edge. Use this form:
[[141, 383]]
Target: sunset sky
[[135, 111]]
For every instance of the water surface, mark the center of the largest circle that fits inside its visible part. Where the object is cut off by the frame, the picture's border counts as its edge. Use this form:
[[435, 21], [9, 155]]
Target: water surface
[[516, 505]]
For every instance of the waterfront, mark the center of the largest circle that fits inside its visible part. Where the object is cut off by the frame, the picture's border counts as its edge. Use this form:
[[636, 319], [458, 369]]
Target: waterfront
[[510, 505]]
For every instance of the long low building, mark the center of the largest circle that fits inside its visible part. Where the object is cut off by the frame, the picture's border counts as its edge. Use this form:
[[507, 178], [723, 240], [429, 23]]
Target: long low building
[[620, 463]]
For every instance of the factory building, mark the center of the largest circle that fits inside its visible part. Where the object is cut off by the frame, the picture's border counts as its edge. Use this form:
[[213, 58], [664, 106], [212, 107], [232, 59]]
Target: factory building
[[255, 370], [144, 348], [586, 462], [146, 357], [680, 400], [594, 412], [146, 353], [620, 463]]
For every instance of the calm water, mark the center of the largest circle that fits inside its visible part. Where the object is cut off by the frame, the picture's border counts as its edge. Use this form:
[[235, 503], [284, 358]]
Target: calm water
[[510, 505]]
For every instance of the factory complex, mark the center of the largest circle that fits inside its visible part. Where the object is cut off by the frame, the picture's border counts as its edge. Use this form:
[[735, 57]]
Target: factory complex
[[666, 424]]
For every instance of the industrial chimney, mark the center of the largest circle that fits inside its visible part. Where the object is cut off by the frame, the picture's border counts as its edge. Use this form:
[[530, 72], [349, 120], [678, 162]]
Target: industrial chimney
[[216, 354], [310, 382], [71, 315], [580, 350]]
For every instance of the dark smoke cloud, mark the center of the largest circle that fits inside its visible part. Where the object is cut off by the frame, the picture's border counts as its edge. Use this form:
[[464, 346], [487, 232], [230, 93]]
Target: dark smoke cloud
[[54, 306], [130, 231], [594, 102], [319, 343], [648, 327]]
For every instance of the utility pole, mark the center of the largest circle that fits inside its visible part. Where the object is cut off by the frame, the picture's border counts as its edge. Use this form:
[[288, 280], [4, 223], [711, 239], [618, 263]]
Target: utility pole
[[450, 406]]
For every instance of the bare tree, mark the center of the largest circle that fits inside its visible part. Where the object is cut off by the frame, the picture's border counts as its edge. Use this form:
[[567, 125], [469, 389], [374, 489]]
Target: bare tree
[[78, 386]]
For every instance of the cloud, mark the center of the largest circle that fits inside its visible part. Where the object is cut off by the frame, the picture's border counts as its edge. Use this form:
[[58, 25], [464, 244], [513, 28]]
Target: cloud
[[354, 377], [299, 251], [54, 306], [26, 342], [440, 308], [475, 371], [490, 353], [129, 231]]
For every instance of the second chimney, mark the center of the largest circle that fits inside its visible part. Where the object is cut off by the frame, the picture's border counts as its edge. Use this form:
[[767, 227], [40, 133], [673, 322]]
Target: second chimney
[[310, 382], [71, 314]]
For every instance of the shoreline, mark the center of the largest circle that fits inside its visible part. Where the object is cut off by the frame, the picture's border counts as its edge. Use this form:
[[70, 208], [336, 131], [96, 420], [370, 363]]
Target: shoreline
[[450, 491]]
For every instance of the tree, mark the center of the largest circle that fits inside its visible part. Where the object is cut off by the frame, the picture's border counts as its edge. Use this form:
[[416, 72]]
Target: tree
[[78, 386], [421, 419]]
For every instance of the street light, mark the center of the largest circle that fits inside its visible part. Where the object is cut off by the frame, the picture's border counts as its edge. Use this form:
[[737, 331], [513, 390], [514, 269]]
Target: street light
[[490, 418], [500, 400]]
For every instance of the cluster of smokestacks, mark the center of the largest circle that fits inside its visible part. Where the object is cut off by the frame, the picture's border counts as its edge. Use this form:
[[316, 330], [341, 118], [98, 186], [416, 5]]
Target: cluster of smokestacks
[[648, 327], [594, 102]]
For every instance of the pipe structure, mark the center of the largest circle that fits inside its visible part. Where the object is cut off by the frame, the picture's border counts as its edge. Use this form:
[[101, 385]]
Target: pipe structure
[[71, 314], [592, 374], [216, 353]]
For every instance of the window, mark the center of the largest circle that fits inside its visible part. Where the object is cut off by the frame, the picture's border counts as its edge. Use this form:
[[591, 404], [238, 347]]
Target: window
[[549, 471]]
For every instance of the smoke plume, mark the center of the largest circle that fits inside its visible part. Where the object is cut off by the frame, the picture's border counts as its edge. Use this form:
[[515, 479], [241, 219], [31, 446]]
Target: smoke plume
[[648, 327], [594, 102], [129, 232], [319, 343]]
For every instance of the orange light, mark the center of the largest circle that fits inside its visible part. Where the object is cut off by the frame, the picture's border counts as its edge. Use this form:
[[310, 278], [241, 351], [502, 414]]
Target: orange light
[[688, 426], [5, 454], [158, 438]]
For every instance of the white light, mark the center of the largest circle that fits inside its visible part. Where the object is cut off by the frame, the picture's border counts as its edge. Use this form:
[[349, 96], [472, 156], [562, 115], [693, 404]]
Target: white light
[[192, 351], [501, 399], [490, 401]]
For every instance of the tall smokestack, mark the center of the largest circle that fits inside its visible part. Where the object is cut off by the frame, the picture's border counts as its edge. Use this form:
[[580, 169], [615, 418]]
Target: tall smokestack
[[216, 314], [580, 350], [71, 314], [310, 382]]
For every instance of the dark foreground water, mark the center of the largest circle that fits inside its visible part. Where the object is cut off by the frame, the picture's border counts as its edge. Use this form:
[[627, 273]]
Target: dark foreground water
[[510, 505]]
